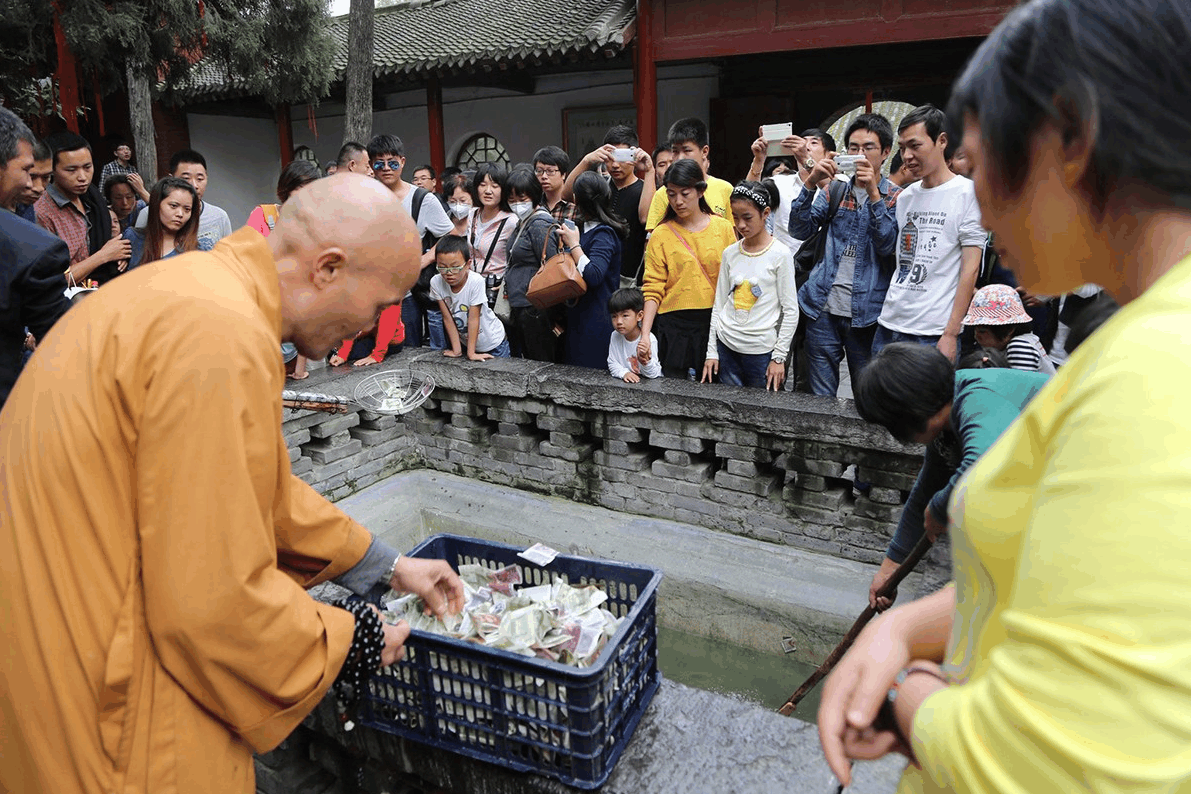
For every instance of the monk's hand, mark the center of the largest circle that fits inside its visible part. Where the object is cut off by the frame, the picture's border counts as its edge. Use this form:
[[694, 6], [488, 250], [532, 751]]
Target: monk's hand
[[433, 580], [395, 637], [854, 693]]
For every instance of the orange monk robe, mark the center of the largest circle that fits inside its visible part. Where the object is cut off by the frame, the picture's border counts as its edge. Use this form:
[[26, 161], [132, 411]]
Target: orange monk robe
[[154, 544]]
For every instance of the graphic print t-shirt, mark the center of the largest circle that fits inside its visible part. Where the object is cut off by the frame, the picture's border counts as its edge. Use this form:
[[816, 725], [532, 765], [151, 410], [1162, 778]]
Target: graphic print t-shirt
[[933, 226], [492, 332]]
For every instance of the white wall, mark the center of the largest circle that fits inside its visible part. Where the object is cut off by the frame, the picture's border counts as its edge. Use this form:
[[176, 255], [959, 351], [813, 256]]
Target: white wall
[[243, 161], [523, 123]]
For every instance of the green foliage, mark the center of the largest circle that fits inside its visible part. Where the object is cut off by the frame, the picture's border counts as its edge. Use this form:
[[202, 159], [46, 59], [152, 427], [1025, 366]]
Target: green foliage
[[278, 49], [26, 52]]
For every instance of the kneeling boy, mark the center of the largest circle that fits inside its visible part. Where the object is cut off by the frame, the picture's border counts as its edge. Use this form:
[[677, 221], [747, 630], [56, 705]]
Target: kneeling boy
[[463, 301]]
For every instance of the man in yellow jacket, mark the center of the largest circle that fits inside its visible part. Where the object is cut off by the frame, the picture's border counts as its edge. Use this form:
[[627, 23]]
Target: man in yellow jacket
[[153, 541]]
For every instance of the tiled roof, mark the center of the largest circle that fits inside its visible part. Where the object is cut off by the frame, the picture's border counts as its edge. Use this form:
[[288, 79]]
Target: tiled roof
[[426, 37]]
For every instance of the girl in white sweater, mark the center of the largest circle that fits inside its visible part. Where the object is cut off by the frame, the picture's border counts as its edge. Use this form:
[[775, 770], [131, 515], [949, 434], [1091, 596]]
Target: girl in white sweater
[[756, 301]]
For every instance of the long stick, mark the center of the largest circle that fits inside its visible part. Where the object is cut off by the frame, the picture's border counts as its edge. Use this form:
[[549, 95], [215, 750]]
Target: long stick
[[833, 658]]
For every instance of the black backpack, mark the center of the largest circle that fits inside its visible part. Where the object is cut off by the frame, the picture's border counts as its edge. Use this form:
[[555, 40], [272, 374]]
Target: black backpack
[[814, 248], [421, 290]]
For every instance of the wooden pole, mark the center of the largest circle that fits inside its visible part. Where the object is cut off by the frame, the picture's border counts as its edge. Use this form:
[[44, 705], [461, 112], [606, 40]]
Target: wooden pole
[[832, 660], [645, 77], [438, 146], [285, 135], [67, 74]]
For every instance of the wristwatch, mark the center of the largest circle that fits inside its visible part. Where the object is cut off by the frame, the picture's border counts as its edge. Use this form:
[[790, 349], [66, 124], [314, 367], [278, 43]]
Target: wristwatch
[[387, 579], [778, 359], [809, 162]]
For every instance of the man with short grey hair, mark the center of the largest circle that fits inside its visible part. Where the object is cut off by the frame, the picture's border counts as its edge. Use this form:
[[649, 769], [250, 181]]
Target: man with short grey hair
[[32, 261]]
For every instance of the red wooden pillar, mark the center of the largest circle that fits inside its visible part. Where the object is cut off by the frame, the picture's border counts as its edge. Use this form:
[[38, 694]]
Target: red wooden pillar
[[67, 75], [438, 146], [645, 77], [285, 135]]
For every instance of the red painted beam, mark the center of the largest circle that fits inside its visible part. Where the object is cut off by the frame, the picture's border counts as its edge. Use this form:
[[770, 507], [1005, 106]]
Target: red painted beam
[[438, 145], [285, 135], [820, 36], [67, 75], [645, 76]]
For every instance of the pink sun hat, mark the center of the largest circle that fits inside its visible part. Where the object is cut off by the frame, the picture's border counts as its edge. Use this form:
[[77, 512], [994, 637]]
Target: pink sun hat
[[996, 304]]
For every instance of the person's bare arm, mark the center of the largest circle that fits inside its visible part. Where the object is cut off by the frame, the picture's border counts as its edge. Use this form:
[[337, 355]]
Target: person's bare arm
[[600, 155], [969, 271], [113, 250], [648, 175], [448, 323], [473, 333]]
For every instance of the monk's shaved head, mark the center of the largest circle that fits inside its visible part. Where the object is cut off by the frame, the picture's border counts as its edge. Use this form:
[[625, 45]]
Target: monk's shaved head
[[345, 248]]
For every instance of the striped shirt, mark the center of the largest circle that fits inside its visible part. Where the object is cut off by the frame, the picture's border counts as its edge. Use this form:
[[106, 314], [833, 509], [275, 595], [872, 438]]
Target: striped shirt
[[1025, 352]]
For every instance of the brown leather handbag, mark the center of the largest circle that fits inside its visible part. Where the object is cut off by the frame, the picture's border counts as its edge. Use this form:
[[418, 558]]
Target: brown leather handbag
[[557, 280]]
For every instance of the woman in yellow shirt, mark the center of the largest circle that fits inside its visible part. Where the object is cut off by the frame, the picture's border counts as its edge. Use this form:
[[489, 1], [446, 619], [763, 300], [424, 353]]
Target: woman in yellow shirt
[[682, 266], [1061, 659]]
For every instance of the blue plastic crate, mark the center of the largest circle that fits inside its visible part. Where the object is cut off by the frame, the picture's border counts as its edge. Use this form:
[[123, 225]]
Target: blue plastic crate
[[528, 714]]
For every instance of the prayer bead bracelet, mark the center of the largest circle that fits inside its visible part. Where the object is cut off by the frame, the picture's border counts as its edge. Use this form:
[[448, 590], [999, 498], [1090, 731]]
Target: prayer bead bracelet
[[363, 658]]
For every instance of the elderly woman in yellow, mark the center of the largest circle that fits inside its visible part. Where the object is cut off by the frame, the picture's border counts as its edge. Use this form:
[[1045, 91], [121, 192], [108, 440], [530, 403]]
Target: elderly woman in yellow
[[1060, 660]]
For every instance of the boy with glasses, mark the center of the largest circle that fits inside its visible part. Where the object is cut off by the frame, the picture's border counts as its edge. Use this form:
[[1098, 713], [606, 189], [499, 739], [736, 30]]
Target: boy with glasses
[[551, 166], [463, 301]]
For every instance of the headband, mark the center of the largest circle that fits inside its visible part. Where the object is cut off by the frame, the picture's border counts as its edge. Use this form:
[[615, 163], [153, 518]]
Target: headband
[[754, 196]]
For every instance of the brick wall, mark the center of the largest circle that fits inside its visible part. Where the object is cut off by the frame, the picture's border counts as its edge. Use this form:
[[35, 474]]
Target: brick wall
[[757, 464]]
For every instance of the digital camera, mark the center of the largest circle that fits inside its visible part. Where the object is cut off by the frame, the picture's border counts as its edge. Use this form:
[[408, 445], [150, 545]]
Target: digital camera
[[623, 155], [846, 163]]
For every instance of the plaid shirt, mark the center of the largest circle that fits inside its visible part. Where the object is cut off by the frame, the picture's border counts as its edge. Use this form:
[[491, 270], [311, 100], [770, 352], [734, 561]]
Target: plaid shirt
[[111, 169], [58, 215], [563, 211]]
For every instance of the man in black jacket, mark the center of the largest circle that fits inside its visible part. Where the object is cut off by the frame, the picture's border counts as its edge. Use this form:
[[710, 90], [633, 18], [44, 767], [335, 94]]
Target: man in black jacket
[[32, 261]]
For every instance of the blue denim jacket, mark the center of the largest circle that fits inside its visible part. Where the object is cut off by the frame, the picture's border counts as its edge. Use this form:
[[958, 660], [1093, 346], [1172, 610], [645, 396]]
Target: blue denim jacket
[[872, 227]]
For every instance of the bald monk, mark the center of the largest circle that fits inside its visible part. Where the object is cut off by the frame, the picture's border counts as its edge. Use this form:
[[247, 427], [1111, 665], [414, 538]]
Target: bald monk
[[154, 544]]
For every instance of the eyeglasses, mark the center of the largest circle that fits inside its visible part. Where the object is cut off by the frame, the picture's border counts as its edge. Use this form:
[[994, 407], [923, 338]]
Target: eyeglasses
[[547, 171], [451, 270], [868, 148], [381, 165]]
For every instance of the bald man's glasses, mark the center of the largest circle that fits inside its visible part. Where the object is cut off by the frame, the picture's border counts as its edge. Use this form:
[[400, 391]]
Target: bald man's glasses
[[382, 165]]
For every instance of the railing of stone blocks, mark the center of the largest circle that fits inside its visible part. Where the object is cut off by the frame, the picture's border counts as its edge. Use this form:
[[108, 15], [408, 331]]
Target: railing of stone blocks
[[753, 463]]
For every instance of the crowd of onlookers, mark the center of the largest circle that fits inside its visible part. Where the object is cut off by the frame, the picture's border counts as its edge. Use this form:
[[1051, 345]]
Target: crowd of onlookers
[[815, 258]]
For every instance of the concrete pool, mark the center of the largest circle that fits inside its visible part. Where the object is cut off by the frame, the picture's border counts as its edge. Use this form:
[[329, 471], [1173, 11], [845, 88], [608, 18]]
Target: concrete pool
[[724, 606]]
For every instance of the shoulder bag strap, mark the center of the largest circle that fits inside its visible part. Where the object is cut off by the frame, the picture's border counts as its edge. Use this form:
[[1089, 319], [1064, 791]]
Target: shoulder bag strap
[[415, 208], [492, 247], [670, 225]]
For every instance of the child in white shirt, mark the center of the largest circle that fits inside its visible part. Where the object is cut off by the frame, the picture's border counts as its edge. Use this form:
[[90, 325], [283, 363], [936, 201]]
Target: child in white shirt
[[627, 307], [463, 301]]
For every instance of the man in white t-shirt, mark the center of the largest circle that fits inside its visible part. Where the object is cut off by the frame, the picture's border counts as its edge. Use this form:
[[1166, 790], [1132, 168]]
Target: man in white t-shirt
[[387, 154], [939, 245]]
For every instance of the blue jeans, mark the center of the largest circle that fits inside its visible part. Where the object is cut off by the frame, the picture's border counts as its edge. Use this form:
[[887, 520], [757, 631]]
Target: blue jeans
[[500, 351], [438, 336], [411, 318], [885, 336], [742, 369], [828, 339]]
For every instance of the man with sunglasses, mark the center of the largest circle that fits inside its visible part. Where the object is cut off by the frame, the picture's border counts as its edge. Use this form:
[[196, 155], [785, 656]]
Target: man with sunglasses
[[387, 156]]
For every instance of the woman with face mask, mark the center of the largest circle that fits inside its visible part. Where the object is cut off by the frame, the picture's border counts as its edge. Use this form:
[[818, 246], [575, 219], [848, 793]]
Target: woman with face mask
[[533, 333], [458, 201], [490, 224]]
